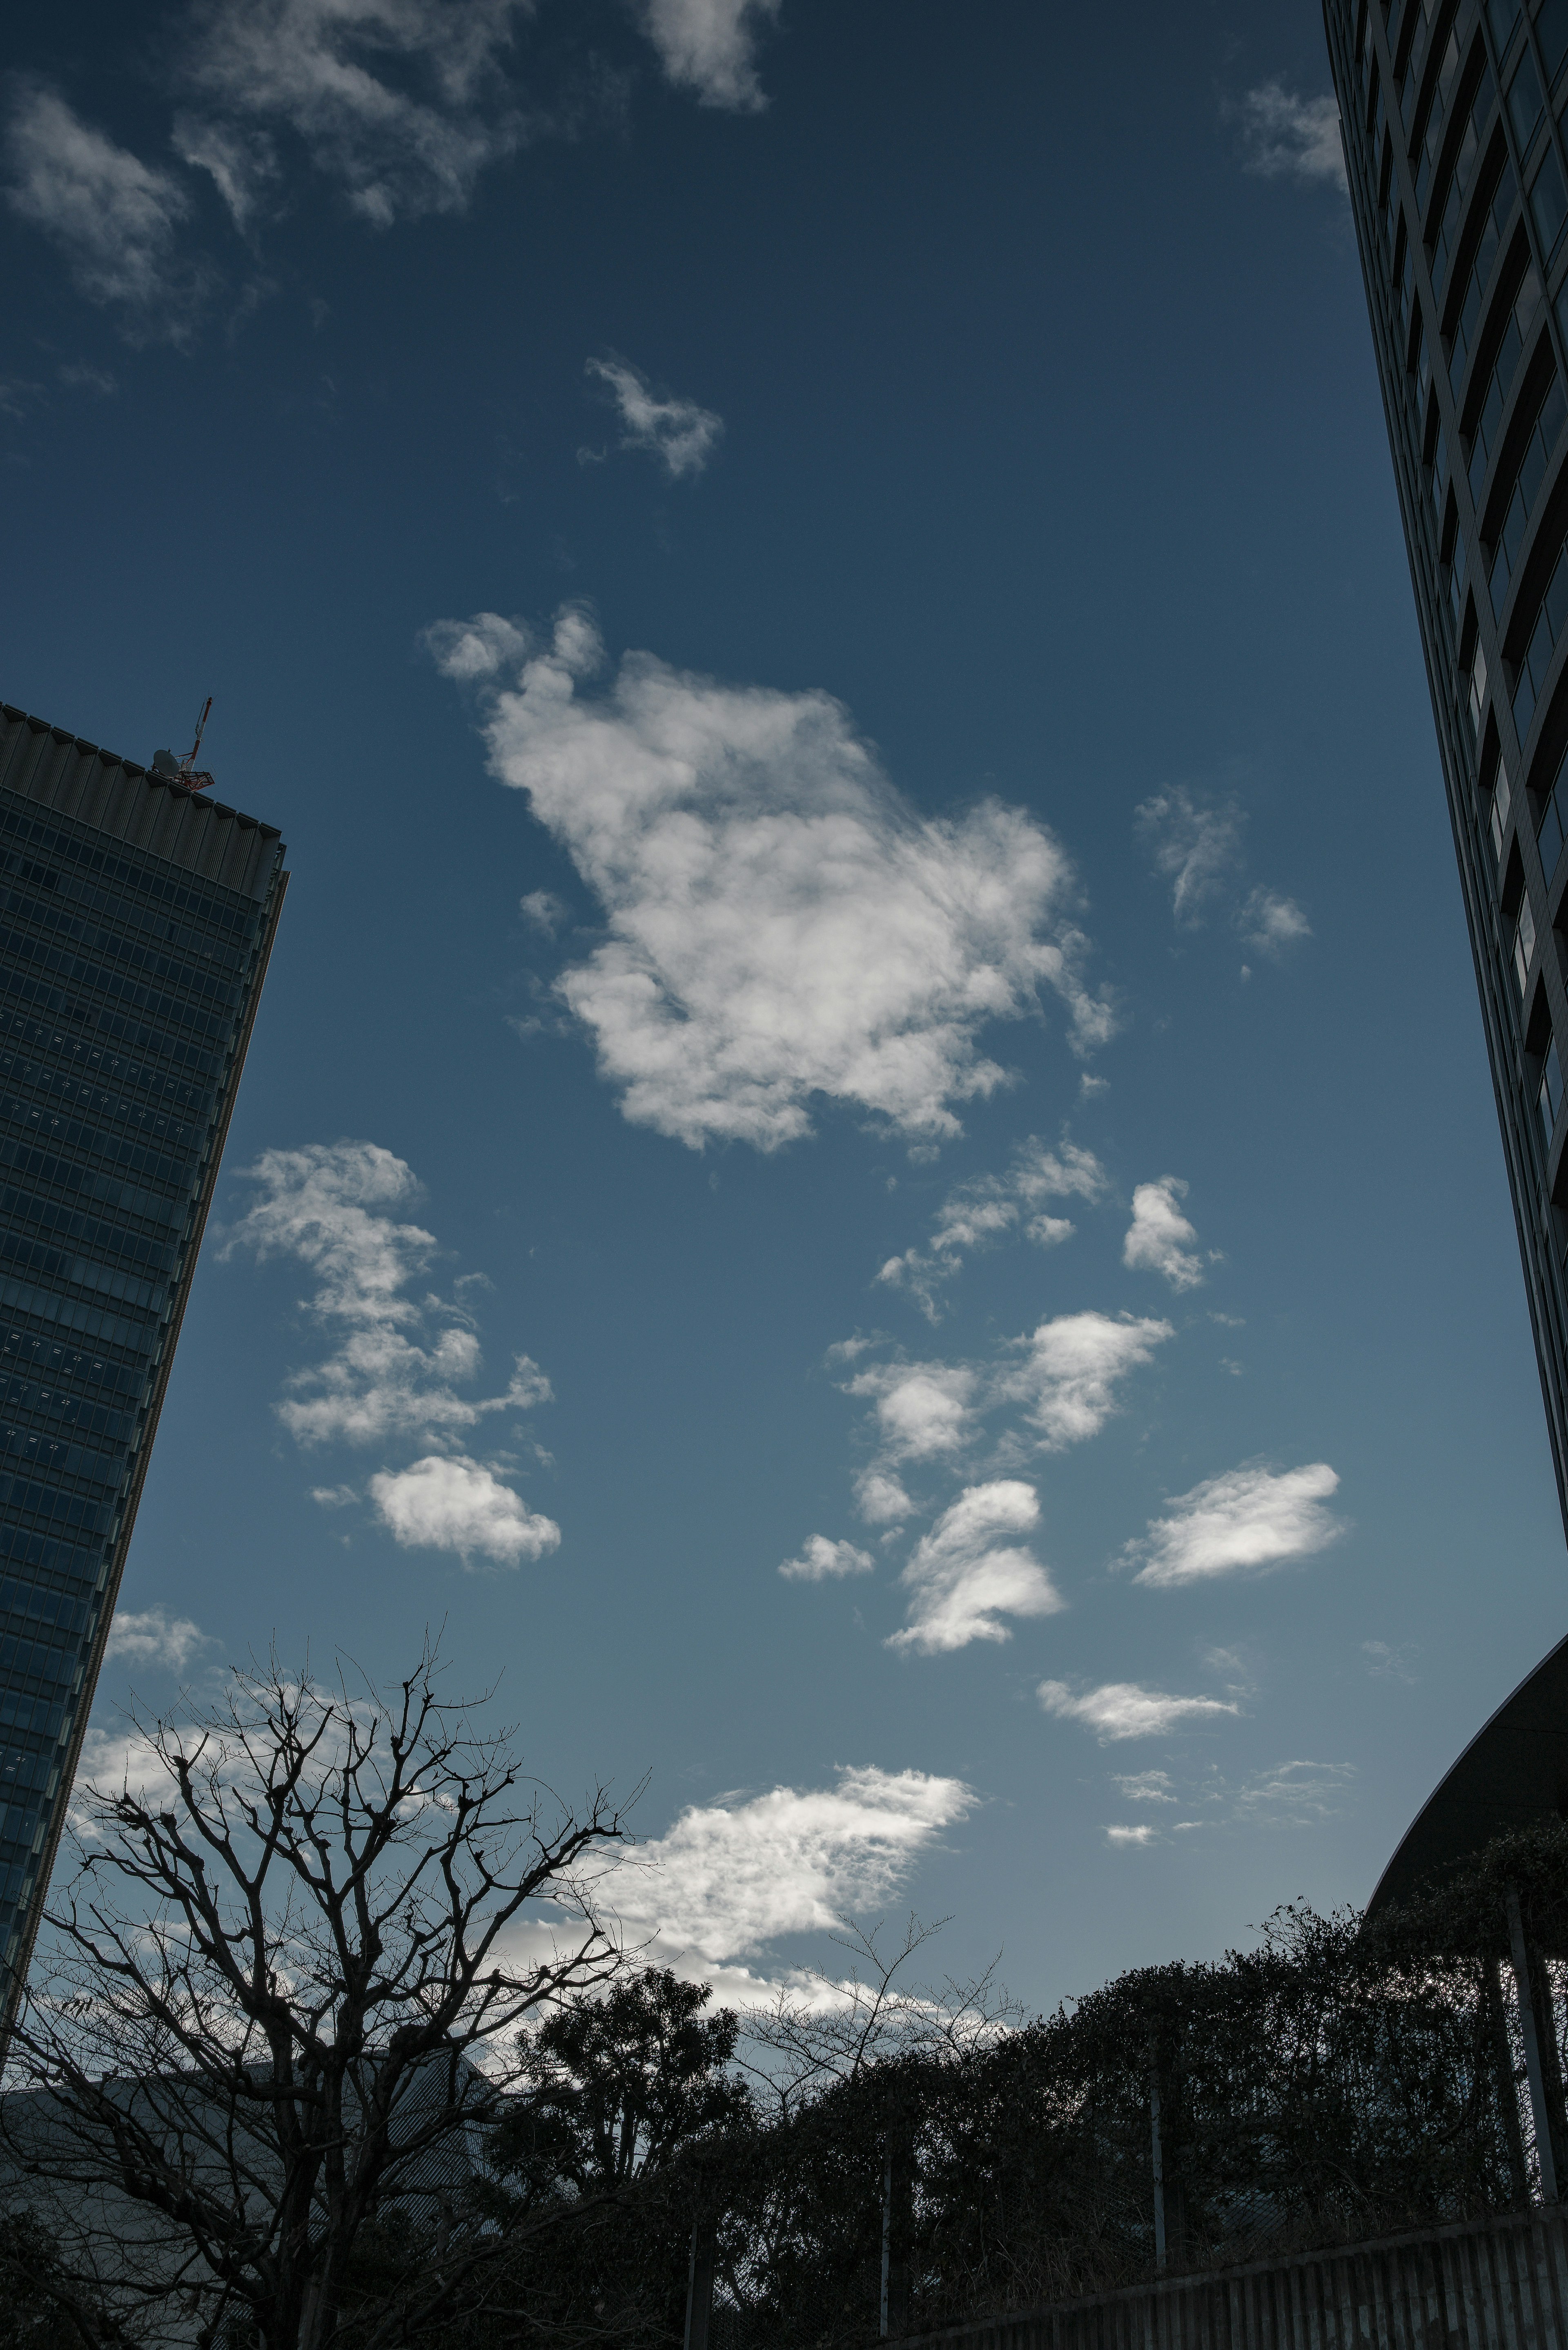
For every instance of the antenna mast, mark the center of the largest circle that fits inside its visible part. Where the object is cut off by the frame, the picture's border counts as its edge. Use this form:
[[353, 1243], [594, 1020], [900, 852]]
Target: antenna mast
[[189, 772]]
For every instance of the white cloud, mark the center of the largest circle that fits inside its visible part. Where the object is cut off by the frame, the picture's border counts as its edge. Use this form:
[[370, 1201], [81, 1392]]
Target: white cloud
[[730, 1878], [880, 1498], [925, 1411], [1294, 1795], [710, 47], [154, 1637], [781, 923], [113, 216], [241, 164], [821, 1559], [544, 910], [1159, 1239], [1143, 1786], [1271, 923], [1248, 1517], [677, 432], [1066, 1380], [404, 102], [1284, 136], [1142, 1834], [1122, 1709], [333, 1206], [1385, 1662], [447, 1502], [966, 1574], [992, 1208]]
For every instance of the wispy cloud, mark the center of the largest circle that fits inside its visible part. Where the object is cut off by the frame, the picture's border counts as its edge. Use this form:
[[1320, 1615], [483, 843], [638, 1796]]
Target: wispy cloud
[[399, 1363], [730, 1877], [1195, 844], [781, 923], [1282, 1796], [679, 433], [820, 1560], [447, 1502], [1248, 1517], [971, 1570], [1119, 1709], [1388, 1663], [1144, 1786], [402, 102], [990, 1208], [710, 47], [154, 1636], [113, 217], [1287, 137], [1160, 1239]]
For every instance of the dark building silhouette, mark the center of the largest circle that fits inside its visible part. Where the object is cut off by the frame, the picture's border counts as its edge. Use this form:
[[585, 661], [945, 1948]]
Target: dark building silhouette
[[1458, 184], [136, 920]]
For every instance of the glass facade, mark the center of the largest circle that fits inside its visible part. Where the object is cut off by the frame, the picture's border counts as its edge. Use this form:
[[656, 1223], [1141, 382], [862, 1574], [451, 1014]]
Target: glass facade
[[136, 920], [1452, 113]]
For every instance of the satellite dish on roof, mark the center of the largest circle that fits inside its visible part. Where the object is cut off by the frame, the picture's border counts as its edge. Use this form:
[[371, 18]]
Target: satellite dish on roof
[[185, 769]]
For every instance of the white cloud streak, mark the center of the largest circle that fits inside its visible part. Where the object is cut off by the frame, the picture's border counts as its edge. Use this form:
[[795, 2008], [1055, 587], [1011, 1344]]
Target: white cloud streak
[[154, 1637], [781, 923], [731, 1876], [1250, 1517], [708, 47], [679, 433], [1141, 1835], [971, 1570], [1160, 1239], [1120, 1710], [113, 217], [403, 102], [447, 1502], [990, 1208], [1287, 137], [821, 1560]]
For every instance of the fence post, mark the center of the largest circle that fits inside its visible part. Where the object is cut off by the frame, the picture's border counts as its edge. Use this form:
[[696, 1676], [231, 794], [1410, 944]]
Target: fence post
[[1158, 2151], [700, 2284], [1544, 2154]]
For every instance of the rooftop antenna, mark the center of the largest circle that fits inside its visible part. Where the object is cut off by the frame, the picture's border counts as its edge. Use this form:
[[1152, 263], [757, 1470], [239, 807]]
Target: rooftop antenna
[[188, 764]]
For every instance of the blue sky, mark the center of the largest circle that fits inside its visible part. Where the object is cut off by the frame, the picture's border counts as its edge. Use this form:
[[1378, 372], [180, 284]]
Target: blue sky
[[867, 1164]]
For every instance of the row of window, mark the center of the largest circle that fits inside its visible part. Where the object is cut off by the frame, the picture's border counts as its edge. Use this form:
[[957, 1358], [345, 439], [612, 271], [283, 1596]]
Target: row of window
[[23, 1497], [169, 971], [106, 1240], [77, 1073], [1536, 456], [1433, 128], [23, 1353], [1497, 212], [20, 947], [43, 1718], [40, 1661], [1467, 155], [136, 1338], [43, 994], [150, 1212], [225, 952], [207, 901], [27, 1604], [37, 1402], [73, 1134], [55, 1458], [18, 1255], [53, 1565]]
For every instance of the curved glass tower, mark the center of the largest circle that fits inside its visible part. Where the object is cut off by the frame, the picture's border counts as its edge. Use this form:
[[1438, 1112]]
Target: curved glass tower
[[1459, 184]]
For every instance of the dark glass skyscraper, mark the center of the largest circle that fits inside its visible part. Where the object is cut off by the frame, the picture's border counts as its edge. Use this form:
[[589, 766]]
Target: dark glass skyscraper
[[136, 920], [1459, 184]]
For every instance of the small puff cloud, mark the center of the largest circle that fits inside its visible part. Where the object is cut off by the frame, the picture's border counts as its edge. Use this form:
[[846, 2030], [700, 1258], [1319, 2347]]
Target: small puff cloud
[[1070, 1368], [710, 47], [1287, 137], [781, 924], [1122, 1709], [447, 1502], [993, 1208], [821, 1560], [677, 432], [1159, 1239], [154, 1637], [1195, 844], [1252, 1516], [966, 1574]]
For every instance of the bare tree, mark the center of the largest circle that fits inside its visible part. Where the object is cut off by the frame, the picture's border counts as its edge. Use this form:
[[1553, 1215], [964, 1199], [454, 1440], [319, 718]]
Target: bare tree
[[283, 1983]]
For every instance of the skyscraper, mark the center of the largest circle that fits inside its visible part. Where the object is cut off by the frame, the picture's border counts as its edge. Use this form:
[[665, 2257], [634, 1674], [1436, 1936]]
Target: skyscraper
[[136, 920], [1458, 184]]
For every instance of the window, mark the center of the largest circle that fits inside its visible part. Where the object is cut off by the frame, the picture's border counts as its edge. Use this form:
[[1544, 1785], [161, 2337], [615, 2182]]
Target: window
[[1554, 822], [1501, 796], [1552, 32], [1532, 464], [1537, 656], [1477, 702], [1523, 944], [1468, 318], [1549, 202], [1549, 1097], [1462, 172], [1525, 104], [1510, 350], [1431, 126], [1457, 567], [1502, 16]]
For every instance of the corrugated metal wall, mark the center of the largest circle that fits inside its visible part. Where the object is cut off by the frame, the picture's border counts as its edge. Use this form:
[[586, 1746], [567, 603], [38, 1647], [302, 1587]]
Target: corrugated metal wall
[[58, 770], [1490, 2284]]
